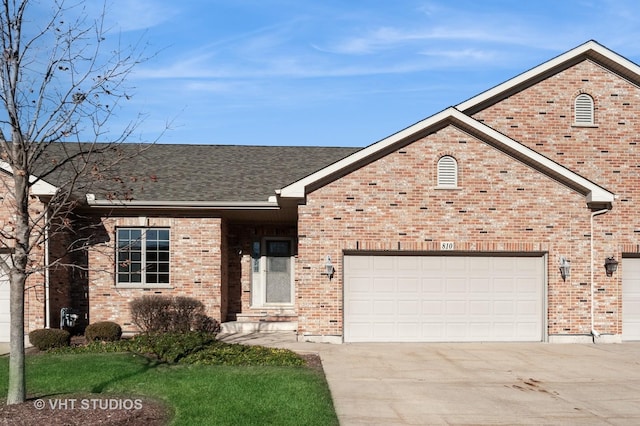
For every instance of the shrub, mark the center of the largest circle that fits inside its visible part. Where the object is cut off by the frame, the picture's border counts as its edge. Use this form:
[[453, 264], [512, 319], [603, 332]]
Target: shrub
[[106, 331], [48, 338], [151, 313], [162, 314], [170, 347]]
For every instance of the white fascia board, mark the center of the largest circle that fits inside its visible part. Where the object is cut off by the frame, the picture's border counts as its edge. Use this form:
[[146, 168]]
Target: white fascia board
[[547, 66], [158, 204], [38, 186], [594, 192], [298, 189]]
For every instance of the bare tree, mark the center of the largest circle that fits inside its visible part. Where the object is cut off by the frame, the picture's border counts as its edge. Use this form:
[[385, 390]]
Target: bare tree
[[59, 86]]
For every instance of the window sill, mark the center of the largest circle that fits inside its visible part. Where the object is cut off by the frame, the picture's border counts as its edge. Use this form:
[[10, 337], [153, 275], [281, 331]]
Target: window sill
[[144, 286], [448, 187], [593, 126]]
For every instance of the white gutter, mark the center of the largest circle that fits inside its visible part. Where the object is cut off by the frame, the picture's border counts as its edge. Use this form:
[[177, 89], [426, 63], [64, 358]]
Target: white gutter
[[47, 298], [218, 205], [594, 333]]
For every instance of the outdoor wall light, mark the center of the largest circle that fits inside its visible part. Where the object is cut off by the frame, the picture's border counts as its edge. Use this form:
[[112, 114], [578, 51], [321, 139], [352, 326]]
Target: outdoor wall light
[[610, 265], [328, 267], [565, 268]]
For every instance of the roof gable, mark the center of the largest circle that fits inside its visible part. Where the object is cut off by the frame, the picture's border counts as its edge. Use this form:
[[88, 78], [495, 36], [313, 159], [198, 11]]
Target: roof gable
[[595, 195], [39, 186], [591, 50]]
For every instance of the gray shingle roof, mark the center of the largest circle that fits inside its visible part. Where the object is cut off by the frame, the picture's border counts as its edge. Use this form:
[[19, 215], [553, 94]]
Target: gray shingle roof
[[164, 172]]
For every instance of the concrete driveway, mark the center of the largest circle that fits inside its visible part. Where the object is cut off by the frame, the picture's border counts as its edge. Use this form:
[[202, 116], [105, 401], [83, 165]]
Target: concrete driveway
[[476, 383], [431, 384]]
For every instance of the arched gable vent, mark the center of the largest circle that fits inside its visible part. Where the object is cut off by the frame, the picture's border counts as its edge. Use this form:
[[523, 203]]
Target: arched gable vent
[[584, 109], [447, 172]]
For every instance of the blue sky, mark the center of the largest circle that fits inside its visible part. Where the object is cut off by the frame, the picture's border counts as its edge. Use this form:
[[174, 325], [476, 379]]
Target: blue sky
[[340, 72]]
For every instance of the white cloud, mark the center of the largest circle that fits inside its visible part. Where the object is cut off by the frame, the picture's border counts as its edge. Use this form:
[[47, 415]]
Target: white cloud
[[133, 15]]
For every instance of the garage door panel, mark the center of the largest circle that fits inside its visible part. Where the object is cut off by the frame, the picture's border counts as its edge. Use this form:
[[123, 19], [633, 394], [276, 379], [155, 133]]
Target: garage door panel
[[360, 285], [381, 285], [455, 307], [503, 285], [408, 307], [432, 307], [445, 298], [480, 307], [383, 307], [384, 330], [408, 285], [503, 307], [456, 285], [384, 264], [527, 308], [480, 284], [631, 298], [360, 307], [480, 328]]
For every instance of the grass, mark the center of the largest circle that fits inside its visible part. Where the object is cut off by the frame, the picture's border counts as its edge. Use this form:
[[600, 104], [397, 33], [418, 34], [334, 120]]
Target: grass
[[197, 394]]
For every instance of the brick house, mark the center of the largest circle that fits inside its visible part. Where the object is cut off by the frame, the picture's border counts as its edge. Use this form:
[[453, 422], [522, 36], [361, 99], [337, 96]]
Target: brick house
[[488, 221]]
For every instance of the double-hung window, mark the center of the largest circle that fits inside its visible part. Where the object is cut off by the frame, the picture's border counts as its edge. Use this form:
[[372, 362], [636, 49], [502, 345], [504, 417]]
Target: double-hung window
[[142, 256]]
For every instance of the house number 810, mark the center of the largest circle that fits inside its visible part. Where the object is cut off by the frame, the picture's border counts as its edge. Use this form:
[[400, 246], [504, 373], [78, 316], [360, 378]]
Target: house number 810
[[446, 245]]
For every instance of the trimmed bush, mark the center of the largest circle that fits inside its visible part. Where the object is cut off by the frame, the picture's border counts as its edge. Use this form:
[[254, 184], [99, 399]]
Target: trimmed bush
[[163, 314], [49, 338], [105, 331]]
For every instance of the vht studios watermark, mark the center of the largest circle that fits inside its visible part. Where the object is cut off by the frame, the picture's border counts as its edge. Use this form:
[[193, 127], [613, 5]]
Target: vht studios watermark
[[88, 404]]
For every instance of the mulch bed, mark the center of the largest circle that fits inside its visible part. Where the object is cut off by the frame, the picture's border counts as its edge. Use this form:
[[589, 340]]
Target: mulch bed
[[87, 410]]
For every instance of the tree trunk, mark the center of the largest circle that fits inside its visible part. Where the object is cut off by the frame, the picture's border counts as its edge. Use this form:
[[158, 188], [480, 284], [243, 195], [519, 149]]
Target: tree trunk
[[17, 389], [17, 277]]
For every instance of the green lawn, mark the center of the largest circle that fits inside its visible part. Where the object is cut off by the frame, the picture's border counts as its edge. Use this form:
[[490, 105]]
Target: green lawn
[[197, 394]]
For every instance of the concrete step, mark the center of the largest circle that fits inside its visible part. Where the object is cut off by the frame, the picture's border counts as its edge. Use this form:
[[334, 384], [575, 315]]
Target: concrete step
[[256, 327]]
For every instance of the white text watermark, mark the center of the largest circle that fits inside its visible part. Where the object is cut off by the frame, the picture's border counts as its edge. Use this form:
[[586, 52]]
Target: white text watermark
[[88, 404]]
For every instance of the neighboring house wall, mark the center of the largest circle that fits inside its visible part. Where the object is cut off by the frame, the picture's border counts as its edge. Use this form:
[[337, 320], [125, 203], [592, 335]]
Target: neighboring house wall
[[198, 267], [35, 286], [393, 204]]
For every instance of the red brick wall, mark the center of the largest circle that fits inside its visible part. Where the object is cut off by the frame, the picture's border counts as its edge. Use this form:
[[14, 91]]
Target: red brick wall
[[392, 204], [608, 154], [198, 268]]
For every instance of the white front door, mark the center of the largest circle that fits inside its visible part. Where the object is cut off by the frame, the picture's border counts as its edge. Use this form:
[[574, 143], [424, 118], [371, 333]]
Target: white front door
[[443, 298], [273, 273]]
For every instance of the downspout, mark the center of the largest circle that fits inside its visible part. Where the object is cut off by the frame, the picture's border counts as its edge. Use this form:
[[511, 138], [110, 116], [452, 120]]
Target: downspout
[[47, 307], [594, 333]]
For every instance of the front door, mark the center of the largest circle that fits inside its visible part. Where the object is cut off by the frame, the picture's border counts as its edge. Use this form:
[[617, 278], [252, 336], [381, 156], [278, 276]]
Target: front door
[[278, 271], [272, 279]]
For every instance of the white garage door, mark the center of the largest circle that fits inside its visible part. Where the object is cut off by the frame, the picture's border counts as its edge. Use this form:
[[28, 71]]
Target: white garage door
[[4, 308], [443, 298], [630, 299]]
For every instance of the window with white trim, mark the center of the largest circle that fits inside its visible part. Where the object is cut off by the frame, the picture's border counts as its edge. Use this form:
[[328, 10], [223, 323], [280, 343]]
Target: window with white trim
[[142, 256], [583, 109], [447, 172]]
